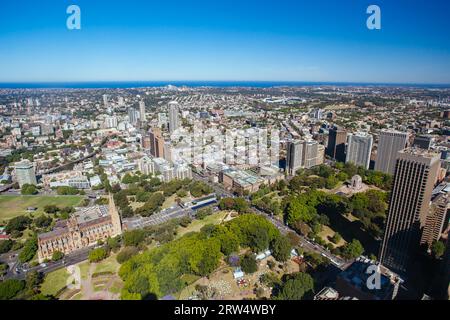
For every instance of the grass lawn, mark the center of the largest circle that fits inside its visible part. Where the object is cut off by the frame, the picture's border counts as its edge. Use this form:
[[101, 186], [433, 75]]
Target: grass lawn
[[196, 225], [116, 287], [54, 281], [13, 206], [170, 201], [110, 264], [327, 233], [84, 270]]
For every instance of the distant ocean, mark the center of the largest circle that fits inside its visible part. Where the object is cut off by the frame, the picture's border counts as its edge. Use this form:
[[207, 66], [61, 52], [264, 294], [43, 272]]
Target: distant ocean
[[216, 84]]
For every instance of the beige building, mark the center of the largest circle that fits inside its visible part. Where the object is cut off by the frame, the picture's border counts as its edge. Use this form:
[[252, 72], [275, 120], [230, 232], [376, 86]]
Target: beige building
[[84, 228]]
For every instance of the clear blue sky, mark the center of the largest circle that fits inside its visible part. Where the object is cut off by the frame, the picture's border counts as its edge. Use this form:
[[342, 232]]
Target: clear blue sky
[[295, 40]]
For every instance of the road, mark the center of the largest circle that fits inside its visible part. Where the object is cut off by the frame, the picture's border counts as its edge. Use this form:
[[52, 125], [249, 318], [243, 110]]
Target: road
[[18, 271], [305, 243]]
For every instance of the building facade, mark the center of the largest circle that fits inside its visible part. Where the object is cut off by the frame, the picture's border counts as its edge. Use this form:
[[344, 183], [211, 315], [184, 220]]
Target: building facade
[[174, 120], [359, 149], [389, 144], [336, 144], [25, 173], [414, 179], [84, 228]]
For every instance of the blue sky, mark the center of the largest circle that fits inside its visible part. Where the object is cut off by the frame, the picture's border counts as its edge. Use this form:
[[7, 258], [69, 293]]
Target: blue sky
[[301, 40]]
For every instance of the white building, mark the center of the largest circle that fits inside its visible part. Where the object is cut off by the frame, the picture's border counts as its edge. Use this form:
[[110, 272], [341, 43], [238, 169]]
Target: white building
[[174, 120], [359, 149], [25, 173]]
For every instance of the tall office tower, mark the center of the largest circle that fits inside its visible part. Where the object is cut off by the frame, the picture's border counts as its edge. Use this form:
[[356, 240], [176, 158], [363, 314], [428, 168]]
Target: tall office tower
[[105, 100], [142, 111], [156, 143], [359, 149], [121, 102], [311, 154], [133, 116], [25, 173], [174, 120], [294, 156], [336, 144], [111, 122], [434, 222], [414, 179], [162, 119], [389, 144], [423, 142]]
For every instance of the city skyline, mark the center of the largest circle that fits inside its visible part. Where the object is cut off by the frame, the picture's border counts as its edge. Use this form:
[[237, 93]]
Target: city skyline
[[202, 41]]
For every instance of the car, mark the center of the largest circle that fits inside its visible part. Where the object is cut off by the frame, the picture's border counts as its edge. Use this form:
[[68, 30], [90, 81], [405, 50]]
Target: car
[[43, 265]]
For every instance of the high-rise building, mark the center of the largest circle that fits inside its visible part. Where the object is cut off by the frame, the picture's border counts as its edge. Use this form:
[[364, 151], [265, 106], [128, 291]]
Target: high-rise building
[[133, 116], [336, 144], [389, 144], [105, 100], [423, 142], [142, 111], [156, 143], [294, 156], [121, 102], [303, 154], [435, 219], [174, 120], [414, 179], [311, 154], [162, 120], [359, 149], [25, 173]]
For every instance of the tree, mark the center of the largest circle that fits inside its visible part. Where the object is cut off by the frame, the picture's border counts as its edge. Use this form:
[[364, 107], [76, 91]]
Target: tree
[[113, 243], [298, 209], [438, 249], [5, 246], [133, 238], [248, 264], [3, 269], [51, 208], [203, 213], [97, 255], [353, 249], [296, 287], [28, 189], [34, 279], [19, 223], [57, 255], [126, 253], [336, 238], [43, 221], [10, 288], [65, 190], [281, 248], [29, 250]]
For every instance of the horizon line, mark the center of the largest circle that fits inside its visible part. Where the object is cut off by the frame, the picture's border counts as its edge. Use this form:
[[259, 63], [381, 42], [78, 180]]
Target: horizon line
[[306, 82]]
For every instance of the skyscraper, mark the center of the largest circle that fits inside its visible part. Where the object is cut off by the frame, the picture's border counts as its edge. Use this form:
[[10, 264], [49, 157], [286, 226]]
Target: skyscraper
[[294, 156], [156, 143], [174, 121], [423, 142], [142, 111], [105, 100], [414, 179], [389, 144], [133, 116], [336, 144], [303, 154], [25, 173], [359, 149], [435, 219]]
